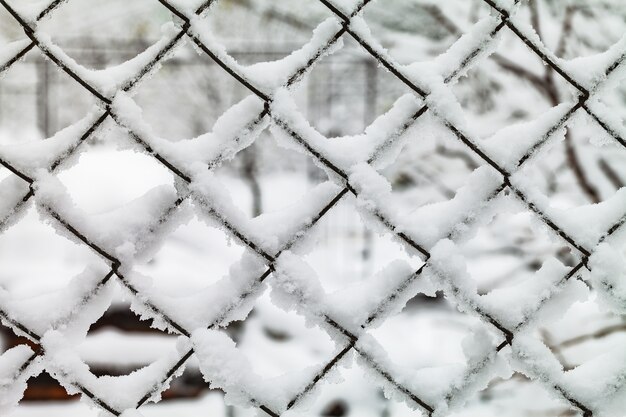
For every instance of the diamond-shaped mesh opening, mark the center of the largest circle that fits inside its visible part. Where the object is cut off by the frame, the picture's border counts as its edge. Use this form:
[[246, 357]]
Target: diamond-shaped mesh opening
[[174, 90], [512, 242], [109, 32], [259, 24], [36, 259], [438, 330], [347, 251], [207, 253], [508, 87], [119, 343], [265, 178], [328, 95], [419, 31], [421, 173], [277, 342], [98, 181], [36, 76], [73, 100], [28, 90], [583, 167]]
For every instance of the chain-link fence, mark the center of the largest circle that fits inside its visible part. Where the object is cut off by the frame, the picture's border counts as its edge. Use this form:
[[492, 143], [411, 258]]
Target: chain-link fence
[[352, 169]]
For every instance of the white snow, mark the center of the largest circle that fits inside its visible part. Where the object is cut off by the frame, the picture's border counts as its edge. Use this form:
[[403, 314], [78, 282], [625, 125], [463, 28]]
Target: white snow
[[132, 230], [12, 381], [231, 133], [608, 274], [223, 366], [591, 70], [73, 308], [28, 157], [509, 145], [121, 392]]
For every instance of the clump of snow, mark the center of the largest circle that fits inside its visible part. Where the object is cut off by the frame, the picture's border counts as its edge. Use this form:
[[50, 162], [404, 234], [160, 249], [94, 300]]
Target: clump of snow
[[372, 187], [268, 76], [10, 50], [30, 156], [429, 385], [12, 378], [610, 119], [600, 383], [390, 132], [534, 359], [119, 392], [484, 364], [591, 71], [608, 275], [448, 269], [379, 296], [380, 143], [510, 144], [273, 75], [597, 384], [225, 367], [292, 223], [71, 310], [107, 81], [232, 132], [514, 304], [122, 233], [230, 298], [295, 286], [289, 122], [429, 223], [588, 234], [479, 38], [538, 299], [216, 204], [13, 189]]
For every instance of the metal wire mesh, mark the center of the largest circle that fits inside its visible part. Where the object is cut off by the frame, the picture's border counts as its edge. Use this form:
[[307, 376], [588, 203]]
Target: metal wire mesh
[[342, 177]]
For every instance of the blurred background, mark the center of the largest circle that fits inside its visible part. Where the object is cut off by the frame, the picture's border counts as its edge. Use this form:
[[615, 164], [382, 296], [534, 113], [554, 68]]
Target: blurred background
[[342, 95]]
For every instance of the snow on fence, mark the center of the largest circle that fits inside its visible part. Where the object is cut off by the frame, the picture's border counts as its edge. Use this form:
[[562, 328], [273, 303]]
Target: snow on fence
[[275, 242]]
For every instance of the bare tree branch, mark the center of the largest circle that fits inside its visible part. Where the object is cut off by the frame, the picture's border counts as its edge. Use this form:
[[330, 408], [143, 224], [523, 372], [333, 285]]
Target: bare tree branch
[[581, 176], [610, 173]]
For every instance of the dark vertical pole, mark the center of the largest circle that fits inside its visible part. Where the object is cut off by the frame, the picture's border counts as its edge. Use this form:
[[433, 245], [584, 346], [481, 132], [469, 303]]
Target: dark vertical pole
[[313, 116], [43, 97], [250, 163], [330, 95], [369, 113]]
